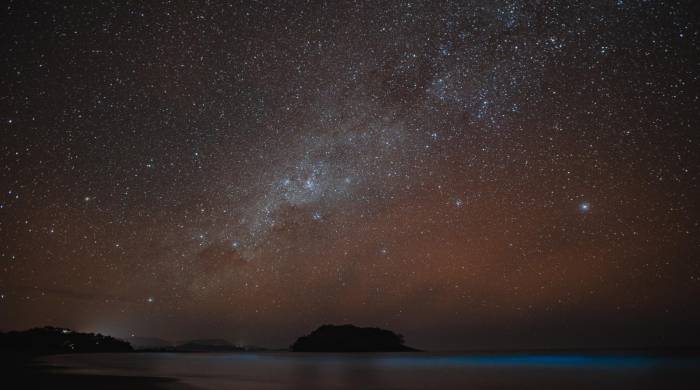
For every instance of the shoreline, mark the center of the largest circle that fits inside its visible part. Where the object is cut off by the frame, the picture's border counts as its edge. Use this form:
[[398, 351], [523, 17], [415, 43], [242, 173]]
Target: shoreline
[[31, 372], [395, 370]]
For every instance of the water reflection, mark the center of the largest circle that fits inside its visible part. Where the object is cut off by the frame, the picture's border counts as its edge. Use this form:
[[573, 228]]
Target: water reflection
[[399, 371]]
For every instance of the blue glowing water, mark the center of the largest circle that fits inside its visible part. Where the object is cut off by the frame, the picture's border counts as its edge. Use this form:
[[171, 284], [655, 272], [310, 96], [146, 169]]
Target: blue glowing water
[[397, 371]]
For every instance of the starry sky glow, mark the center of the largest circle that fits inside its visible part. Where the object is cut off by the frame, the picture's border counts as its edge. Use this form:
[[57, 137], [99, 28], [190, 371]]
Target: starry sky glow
[[467, 173]]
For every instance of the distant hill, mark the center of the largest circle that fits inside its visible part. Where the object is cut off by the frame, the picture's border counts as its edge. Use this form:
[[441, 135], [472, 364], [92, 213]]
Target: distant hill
[[152, 344], [140, 343], [207, 345], [350, 338], [50, 340]]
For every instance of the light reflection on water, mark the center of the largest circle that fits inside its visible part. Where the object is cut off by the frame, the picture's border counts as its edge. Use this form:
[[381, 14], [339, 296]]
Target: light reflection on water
[[396, 371], [418, 360], [525, 360]]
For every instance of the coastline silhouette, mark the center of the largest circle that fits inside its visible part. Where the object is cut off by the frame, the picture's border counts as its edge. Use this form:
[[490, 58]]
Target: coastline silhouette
[[51, 340], [350, 338]]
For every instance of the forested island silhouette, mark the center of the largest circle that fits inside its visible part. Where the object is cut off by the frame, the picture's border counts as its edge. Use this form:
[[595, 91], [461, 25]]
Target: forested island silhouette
[[51, 340], [350, 338]]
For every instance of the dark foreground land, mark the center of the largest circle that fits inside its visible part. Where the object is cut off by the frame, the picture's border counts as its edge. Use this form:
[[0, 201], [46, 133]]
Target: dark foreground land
[[21, 366], [29, 373]]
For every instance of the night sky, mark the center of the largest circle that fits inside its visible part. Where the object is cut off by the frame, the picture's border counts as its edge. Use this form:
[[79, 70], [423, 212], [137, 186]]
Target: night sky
[[470, 174]]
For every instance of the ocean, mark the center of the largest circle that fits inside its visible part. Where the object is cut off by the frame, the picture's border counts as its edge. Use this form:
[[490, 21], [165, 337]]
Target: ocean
[[283, 370]]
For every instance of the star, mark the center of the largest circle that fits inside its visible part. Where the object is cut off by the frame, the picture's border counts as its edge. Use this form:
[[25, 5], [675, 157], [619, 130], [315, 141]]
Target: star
[[410, 148]]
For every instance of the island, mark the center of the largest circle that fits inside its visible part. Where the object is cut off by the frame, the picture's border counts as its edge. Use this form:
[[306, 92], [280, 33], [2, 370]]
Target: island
[[208, 345], [51, 340], [350, 338]]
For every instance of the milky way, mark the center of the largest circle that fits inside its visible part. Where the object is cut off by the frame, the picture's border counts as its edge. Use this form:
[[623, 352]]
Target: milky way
[[470, 174]]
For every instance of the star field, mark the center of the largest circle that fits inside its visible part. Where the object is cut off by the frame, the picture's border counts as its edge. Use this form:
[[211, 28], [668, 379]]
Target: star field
[[471, 174]]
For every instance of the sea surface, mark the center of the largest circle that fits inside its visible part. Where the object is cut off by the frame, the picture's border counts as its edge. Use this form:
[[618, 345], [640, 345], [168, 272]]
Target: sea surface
[[282, 370]]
